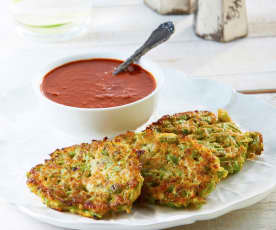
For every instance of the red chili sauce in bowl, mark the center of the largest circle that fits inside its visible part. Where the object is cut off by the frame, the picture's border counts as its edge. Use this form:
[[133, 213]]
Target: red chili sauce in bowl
[[91, 84]]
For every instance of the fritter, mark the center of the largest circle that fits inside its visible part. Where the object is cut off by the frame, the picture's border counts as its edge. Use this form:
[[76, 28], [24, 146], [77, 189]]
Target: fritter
[[233, 149], [220, 134], [91, 180], [183, 123], [178, 171]]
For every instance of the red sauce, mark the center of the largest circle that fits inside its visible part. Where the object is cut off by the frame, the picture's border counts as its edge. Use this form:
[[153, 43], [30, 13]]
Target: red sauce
[[90, 84]]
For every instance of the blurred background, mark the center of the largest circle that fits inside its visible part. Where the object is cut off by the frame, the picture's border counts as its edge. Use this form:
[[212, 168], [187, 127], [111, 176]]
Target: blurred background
[[124, 24]]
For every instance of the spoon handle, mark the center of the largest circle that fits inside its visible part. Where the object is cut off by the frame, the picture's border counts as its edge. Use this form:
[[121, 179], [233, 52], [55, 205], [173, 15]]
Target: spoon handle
[[158, 36]]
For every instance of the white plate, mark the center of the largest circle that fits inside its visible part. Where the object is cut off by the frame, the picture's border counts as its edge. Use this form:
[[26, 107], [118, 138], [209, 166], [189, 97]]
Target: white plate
[[26, 141]]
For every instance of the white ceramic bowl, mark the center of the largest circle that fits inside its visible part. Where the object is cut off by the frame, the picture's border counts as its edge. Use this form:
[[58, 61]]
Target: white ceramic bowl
[[99, 122]]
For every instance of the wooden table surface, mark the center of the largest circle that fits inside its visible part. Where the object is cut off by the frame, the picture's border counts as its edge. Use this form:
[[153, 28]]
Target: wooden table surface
[[122, 25]]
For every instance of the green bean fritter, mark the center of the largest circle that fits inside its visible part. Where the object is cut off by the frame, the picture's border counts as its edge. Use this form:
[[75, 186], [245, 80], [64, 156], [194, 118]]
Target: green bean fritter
[[178, 171], [220, 134], [91, 180]]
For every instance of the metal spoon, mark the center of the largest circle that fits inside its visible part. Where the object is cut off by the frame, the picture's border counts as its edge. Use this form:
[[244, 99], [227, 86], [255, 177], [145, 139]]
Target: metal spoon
[[158, 36]]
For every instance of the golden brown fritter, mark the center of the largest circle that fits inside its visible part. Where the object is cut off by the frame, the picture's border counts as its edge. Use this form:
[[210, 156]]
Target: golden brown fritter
[[178, 172], [91, 180], [231, 148], [181, 157], [183, 123], [220, 134]]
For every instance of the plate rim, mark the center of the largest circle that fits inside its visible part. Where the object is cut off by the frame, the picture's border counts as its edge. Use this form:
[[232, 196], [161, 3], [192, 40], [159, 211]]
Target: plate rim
[[165, 224]]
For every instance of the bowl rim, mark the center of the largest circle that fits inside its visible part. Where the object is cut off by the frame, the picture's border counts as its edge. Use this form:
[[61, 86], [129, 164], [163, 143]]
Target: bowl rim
[[145, 63]]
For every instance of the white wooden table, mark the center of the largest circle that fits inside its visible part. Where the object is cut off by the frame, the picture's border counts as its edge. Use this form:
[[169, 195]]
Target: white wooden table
[[124, 24]]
